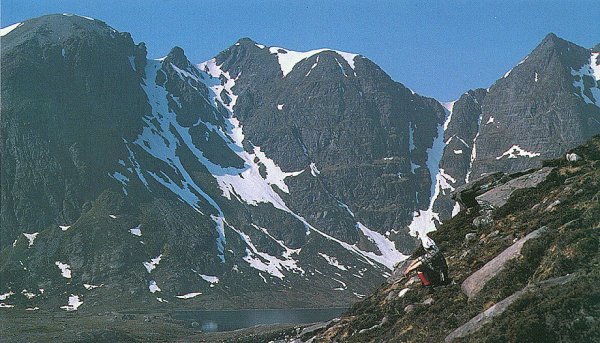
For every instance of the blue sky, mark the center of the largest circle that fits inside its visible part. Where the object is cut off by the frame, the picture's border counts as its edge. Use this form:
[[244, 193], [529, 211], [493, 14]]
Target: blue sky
[[437, 48]]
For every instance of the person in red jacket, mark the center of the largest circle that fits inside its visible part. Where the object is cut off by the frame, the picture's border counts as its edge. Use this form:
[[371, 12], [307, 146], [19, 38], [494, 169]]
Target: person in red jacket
[[431, 267]]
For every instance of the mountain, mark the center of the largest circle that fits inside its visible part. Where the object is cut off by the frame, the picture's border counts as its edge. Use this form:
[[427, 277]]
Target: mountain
[[153, 181], [547, 104], [529, 275], [263, 173]]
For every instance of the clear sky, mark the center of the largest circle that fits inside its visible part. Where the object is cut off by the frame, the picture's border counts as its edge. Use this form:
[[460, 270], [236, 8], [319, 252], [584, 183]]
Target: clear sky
[[437, 48]]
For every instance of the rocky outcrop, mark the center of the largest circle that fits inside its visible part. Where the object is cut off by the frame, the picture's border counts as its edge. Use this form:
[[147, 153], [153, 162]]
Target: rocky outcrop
[[477, 281], [364, 136], [70, 95], [487, 317], [498, 196]]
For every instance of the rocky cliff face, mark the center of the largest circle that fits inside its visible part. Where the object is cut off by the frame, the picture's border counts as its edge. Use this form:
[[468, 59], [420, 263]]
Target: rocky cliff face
[[148, 181], [542, 107], [63, 118], [362, 136], [528, 274]]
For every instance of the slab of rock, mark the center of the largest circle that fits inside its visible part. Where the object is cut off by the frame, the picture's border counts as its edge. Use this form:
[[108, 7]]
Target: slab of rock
[[476, 281], [498, 196], [497, 309], [398, 272]]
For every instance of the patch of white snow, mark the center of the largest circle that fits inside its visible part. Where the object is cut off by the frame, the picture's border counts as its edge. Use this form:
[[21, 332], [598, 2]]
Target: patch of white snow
[[150, 266], [516, 151], [65, 269], [30, 237], [188, 295], [74, 303], [6, 30]]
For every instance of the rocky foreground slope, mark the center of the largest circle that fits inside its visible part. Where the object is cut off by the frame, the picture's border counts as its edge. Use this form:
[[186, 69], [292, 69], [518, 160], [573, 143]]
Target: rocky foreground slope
[[525, 258]]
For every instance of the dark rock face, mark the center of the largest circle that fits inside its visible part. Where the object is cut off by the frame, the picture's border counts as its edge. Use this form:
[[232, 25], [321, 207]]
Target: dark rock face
[[537, 108], [63, 118], [353, 123], [459, 136], [541, 108], [138, 178]]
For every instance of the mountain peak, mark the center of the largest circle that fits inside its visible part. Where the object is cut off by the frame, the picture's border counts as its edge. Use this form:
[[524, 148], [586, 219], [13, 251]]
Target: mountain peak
[[245, 40], [553, 41], [177, 57]]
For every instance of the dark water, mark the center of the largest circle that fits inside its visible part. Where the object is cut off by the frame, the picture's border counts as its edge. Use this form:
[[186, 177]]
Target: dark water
[[212, 321]]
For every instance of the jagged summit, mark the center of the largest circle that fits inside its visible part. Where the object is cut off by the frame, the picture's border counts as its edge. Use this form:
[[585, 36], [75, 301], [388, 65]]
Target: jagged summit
[[178, 58]]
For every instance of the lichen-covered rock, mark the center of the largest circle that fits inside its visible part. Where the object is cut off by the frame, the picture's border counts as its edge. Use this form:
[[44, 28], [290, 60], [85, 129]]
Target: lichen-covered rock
[[477, 281], [497, 309]]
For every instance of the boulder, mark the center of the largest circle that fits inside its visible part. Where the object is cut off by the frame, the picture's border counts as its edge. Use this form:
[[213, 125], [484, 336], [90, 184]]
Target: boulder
[[497, 309], [476, 281], [573, 157], [398, 272], [498, 196]]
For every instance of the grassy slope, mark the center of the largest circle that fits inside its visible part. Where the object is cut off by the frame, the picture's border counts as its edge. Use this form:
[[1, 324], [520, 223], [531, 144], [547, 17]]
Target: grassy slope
[[569, 313]]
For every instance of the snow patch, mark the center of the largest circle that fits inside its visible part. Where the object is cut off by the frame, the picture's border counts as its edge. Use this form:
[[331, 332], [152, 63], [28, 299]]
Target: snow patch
[[74, 303], [455, 209], [516, 151], [210, 279], [458, 152], [590, 70], [150, 266], [153, 287], [90, 287], [333, 261], [6, 30], [491, 120], [27, 294], [30, 237], [288, 59], [64, 227], [136, 231], [389, 256], [280, 107], [342, 283], [77, 15], [313, 66], [425, 221], [188, 295], [268, 263], [6, 295], [314, 170], [65, 269], [508, 72]]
